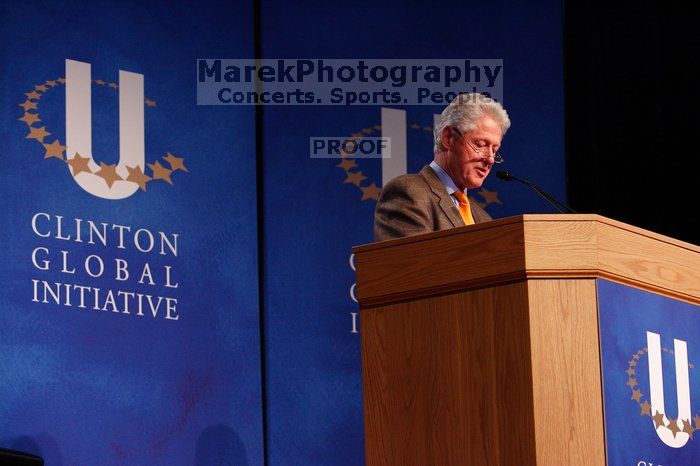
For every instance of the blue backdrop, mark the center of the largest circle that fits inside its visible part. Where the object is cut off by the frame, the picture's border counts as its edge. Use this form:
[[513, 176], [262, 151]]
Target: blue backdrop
[[315, 210], [97, 387], [80, 386]]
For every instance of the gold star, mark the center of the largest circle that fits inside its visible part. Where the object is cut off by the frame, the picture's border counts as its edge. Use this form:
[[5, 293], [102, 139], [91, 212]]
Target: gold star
[[366, 131], [33, 95], [108, 173], [61, 80], [377, 127], [356, 135], [370, 192], [150, 103], [690, 366], [30, 118], [636, 395], [28, 105], [673, 427], [355, 178], [428, 128], [175, 162], [347, 164], [630, 371], [631, 382], [688, 428], [646, 409], [40, 87], [79, 164], [50, 83], [37, 133], [490, 196], [633, 363], [658, 420], [635, 357], [415, 126], [55, 149], [160, 172], [113, 85], [697, 421], [137, 176], [99, 82]]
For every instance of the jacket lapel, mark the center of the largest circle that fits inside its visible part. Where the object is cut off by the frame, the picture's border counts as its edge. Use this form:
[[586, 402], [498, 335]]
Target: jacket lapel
[[446, 203], [477, 213]]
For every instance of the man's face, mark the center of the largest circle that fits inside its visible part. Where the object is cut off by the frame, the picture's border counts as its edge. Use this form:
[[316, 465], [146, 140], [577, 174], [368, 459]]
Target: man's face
[[464, 164]]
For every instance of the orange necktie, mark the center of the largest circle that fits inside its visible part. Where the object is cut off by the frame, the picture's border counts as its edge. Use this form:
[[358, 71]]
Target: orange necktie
[[464, 209]]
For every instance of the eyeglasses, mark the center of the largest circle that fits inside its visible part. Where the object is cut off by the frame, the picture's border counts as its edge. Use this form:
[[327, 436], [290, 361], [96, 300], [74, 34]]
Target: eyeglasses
[[497, 157]]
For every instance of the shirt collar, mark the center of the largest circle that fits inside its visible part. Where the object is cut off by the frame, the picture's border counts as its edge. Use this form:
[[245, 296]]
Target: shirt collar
[[445, 178]]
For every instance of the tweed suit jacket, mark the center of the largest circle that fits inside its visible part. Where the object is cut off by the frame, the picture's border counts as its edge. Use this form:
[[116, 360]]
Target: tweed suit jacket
[[413, 204]]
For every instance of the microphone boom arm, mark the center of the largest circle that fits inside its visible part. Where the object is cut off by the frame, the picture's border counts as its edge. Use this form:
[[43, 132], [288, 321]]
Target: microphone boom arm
[[560, 206]]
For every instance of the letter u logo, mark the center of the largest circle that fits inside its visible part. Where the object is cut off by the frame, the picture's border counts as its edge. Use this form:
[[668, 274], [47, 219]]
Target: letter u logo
[[656, 387], [79, 129]]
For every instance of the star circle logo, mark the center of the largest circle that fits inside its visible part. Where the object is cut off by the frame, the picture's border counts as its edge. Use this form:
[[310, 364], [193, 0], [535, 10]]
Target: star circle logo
[[99, 179]]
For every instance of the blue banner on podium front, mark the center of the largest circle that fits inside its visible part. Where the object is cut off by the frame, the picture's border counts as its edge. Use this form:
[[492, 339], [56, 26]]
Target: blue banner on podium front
[[651, 387]]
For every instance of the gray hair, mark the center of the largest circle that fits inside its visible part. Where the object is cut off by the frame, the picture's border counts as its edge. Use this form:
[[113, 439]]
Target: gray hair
[[464, 111]]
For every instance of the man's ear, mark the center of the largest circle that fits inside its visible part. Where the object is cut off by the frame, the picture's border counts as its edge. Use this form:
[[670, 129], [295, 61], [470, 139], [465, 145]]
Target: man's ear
[[446, 138]]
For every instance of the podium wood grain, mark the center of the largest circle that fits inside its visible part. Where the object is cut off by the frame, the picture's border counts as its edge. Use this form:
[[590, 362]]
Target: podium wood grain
[[566, 374], [436, 374], [527, 246], [480, 344], [468, 377]]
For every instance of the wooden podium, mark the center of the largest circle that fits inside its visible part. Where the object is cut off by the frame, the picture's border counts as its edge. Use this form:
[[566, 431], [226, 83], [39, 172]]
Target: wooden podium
[[480, 344]]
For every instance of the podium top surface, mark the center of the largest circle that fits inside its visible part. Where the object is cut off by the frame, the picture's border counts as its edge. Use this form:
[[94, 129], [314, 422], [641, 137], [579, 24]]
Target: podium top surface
[[522, 247]]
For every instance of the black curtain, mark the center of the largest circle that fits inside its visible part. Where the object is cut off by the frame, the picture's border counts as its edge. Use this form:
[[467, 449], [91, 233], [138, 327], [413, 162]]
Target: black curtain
[[632, 130]]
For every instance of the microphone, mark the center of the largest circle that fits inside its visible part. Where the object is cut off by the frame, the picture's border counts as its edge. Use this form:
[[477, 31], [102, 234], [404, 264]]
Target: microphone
[[560, 206]]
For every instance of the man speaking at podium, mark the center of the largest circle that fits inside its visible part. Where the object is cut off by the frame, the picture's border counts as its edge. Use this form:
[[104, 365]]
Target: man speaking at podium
[[466, 143]]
